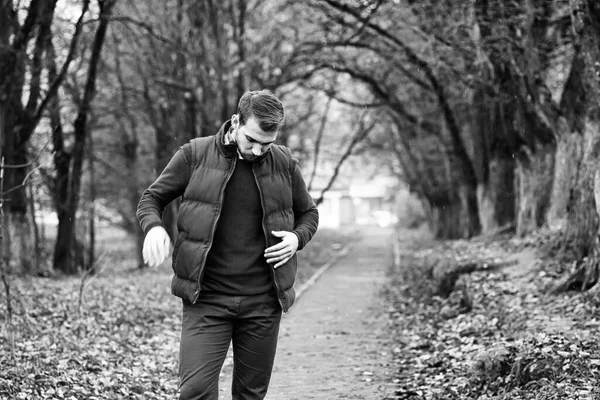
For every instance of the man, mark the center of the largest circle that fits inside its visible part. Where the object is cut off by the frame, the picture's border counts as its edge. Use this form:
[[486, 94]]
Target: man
[[245, 211]]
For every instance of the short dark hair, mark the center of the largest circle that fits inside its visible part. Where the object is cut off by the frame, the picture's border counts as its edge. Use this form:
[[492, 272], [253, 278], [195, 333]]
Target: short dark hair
[[265, 107]]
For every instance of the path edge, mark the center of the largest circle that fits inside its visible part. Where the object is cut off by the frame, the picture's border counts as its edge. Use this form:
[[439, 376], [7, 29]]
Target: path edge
[[317, 274]]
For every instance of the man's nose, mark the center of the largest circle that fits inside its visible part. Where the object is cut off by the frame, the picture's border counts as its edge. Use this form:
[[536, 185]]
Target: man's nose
[[257, 150]]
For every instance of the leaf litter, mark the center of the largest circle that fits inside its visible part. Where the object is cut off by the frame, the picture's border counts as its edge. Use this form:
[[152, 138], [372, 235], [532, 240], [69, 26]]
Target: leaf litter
[[498, 334]]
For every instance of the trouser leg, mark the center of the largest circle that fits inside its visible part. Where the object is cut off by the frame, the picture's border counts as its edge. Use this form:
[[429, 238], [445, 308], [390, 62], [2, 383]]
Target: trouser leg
[[254, 345], [205, 336]]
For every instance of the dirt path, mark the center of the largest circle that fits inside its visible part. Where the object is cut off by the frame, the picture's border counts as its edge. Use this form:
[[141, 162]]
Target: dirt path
[[332, 342]]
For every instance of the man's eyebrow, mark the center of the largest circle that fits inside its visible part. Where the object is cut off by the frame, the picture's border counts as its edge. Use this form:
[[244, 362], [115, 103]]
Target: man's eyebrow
[[251, 139]]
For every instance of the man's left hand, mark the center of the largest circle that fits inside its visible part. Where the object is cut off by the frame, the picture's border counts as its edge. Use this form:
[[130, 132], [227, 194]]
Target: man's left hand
[[284, 250]]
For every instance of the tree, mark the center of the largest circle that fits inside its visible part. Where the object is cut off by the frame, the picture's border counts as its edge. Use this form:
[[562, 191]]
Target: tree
[[23, 48], [68, 256], [582, 113], [360, 41], [426, 168], [519, 118]]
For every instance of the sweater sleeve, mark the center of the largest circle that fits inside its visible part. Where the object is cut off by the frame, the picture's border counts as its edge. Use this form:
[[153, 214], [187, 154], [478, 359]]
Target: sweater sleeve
[[305, 210], [167, 187]]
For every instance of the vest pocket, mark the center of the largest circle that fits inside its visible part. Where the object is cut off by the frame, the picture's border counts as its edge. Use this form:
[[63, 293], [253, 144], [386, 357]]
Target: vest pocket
[[286, 274]]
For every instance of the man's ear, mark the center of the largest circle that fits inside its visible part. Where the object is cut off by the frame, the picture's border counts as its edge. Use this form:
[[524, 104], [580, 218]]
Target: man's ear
[[235, 120]]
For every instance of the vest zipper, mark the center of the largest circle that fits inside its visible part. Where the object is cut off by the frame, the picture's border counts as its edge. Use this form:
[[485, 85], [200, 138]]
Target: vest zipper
[[216, 220], [266, 235]]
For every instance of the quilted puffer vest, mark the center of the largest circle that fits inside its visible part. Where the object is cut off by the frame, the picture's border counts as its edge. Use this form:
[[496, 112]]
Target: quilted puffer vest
[[211, 166]]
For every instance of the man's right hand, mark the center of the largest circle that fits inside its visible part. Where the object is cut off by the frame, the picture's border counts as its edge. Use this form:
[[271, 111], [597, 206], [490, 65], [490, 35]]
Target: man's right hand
[[157, 246]]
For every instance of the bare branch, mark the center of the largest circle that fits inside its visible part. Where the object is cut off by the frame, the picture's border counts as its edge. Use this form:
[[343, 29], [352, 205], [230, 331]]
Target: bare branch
[[41, 44], [388, 98], [318, 142], [458, 146], [61, 76], [17, 166], [174, 84], [23, 184], [359, 105], [28, 26], [87, 276], [386, 54], [147, 27], [361, 134], [366, 20]]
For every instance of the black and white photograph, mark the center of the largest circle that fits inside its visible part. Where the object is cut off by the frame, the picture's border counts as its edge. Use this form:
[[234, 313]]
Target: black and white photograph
[[299, 199]]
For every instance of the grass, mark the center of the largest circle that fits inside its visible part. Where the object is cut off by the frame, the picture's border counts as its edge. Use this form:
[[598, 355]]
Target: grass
[[118, 340]]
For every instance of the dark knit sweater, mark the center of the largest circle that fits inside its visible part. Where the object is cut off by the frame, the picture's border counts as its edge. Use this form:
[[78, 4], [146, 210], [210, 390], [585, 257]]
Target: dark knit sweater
[[236, 264]]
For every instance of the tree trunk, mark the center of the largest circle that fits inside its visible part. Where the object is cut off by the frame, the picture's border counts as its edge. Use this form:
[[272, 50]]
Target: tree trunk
[[21, 60], [534, 182], [519, 117], [35, 232], [582, 218], [68, 257], [19, 248], [462, 184], [240, 39], [22, 47], [581, 108], [568, 153], [455, 218], [463, 169], [581, 243], [21, 251], [583, 89], [91, 245], [497, 196], [131, 162], [493, 159], [66, 251], [134, 198], [469, 222], [445, 221]]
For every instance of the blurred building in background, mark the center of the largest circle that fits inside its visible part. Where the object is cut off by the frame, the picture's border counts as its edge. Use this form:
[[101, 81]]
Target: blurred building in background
[[359, 202]]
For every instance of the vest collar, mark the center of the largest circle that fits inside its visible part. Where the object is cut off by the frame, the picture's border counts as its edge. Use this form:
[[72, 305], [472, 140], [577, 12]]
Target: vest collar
[[230, 150]]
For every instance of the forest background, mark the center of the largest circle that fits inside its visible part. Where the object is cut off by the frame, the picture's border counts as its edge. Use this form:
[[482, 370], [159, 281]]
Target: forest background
[[487, 110]]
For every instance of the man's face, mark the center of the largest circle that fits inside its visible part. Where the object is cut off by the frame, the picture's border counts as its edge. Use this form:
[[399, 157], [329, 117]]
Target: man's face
[[252, 141]]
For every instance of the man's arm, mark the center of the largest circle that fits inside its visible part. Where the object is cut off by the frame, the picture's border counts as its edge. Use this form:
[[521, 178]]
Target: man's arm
[[168, 186], [306, 221], [305, 210]]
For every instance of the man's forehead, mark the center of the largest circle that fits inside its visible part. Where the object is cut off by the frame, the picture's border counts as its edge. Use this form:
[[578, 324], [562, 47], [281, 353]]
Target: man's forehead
[[254, 131]]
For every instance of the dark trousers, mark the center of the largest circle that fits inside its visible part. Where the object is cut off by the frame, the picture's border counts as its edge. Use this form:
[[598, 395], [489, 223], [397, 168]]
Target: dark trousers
[[250, 322]]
